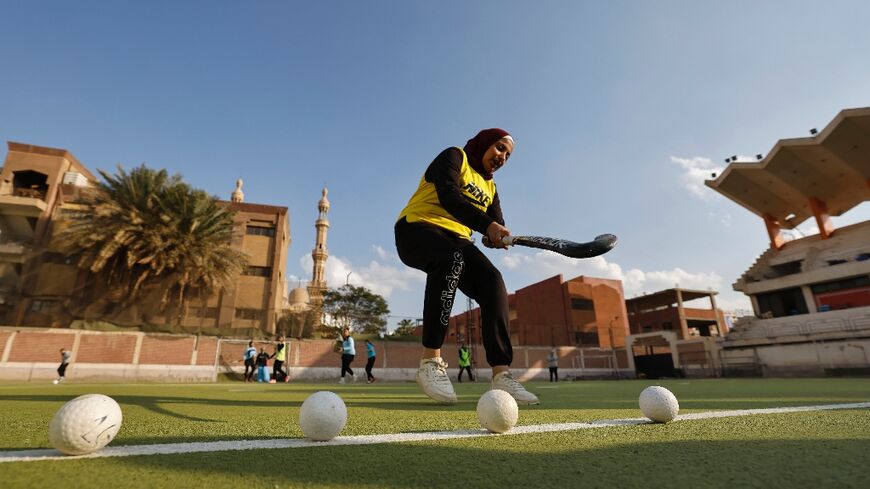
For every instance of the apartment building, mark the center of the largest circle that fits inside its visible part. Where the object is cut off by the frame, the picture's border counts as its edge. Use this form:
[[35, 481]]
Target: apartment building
[[40, 185]]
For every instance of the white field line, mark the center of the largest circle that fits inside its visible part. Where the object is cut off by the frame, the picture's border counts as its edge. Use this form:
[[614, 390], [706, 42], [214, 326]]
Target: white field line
[[220, 446]]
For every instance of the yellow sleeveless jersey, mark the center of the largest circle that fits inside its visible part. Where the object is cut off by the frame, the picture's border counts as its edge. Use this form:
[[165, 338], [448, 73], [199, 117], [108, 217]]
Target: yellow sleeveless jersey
[[424, 204]]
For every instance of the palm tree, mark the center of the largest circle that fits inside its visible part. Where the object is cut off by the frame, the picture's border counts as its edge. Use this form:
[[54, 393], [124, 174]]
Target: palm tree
[[148, 229], [406, 327]]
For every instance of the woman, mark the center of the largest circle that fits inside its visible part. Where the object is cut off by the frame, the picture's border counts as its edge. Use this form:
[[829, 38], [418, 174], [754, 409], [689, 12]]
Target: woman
[[348, 352], [263, 366], [280, 356], [371, 353], [553, 364], [457, 196], [250, 358]]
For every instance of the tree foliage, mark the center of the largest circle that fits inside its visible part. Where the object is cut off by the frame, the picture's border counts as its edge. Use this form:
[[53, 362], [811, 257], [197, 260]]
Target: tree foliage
[[147, 228], [356, 308], [298, 324], [406, 327]]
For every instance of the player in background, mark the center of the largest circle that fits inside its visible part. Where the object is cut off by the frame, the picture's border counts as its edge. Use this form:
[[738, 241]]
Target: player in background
[[372, 356], [455, 197], [250, 358], [348, 352], [464, 362], [65, 356], [280, 356]]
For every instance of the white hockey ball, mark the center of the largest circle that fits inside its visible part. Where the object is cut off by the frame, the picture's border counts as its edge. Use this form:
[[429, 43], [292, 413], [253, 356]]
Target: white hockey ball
[[658, 404], [497, 411], [322, 416], [85, 424]]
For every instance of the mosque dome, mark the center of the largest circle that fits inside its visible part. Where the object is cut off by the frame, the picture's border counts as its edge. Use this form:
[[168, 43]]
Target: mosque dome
[[298, 299]]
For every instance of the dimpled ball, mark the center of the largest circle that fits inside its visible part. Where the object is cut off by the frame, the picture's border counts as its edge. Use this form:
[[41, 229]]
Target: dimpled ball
[[658, 404], [85, 424], [322, 416], [497, 411]]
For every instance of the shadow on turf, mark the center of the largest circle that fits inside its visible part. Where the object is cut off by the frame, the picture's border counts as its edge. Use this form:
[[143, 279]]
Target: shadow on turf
[[500, 462]]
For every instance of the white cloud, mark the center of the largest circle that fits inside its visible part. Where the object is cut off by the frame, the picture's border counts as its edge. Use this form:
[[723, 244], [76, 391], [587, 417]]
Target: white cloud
[[695, 171], [735, 303], [723, 219], [381, 252], [386, 275], [807, 228], [544, 264], [382, 276]]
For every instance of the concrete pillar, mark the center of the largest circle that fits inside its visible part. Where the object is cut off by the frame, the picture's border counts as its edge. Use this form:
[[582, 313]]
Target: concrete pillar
[[77, 340], [774, 232], [684, 325], [137, 350], [823, 219], [808, 297], [754, 300], [8, 348]]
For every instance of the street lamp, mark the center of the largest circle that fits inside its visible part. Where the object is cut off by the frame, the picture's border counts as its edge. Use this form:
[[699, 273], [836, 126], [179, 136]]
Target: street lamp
[[347, 279], [613, 347]]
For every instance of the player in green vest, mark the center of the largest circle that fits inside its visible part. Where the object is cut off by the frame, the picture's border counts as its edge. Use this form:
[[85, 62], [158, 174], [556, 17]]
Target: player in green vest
[[280, 357], [465, 362]]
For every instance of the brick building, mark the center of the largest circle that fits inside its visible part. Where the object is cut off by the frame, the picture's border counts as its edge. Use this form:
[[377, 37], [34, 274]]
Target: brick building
[[666, 310], [583, 311]]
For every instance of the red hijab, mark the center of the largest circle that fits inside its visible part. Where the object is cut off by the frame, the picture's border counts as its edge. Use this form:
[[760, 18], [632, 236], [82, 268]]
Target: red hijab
[[476, 147]]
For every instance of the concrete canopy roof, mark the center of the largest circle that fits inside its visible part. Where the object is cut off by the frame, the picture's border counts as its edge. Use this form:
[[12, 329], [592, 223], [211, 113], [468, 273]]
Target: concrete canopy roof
[[664, 298], [833, 167]]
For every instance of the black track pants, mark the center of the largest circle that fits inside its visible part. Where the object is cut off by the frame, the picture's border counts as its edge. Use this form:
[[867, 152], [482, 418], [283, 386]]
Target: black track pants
[[345, 364], [451, 262]]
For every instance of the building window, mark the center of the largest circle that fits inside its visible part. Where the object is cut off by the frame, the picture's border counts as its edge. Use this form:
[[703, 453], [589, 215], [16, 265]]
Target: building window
[[260, 231], [586, 339], [44, 306], [838, 285], [247, 313], [203, 312], [786, 302], [789, 268], [258, 271], [58, 258], [582, 304]]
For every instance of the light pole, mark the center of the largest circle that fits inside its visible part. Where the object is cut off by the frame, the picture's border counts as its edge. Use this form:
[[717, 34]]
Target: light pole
[[613, 348], [347, 279]]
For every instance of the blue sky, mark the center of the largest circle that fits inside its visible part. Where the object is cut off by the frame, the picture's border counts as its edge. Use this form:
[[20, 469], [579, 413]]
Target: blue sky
[[620, 110]]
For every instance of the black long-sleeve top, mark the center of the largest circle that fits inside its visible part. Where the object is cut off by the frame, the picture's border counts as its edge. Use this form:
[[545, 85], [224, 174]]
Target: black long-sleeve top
[[443, 172]]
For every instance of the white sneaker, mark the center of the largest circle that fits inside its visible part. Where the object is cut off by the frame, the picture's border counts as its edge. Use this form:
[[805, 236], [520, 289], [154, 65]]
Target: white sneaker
[[353, 376], [341, 380], [506, 382], [432, 377]]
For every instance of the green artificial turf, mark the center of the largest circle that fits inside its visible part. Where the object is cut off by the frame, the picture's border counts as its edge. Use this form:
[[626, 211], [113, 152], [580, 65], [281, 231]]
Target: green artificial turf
[[810, 449]]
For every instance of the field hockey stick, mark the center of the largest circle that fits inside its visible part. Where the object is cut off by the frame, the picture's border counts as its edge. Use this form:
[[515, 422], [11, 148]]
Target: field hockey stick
[[599, 246]]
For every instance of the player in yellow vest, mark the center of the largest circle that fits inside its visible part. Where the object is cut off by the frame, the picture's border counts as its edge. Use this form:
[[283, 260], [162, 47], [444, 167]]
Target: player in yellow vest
[[456, 197], [464, 363], [280, 356]]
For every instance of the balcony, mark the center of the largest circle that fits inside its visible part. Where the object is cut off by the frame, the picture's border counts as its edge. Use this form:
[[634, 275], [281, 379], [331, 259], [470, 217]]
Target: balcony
[[12, 248], [23, 202]]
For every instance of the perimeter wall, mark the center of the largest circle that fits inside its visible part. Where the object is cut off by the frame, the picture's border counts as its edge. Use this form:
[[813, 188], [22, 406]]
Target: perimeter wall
[[32, 354]]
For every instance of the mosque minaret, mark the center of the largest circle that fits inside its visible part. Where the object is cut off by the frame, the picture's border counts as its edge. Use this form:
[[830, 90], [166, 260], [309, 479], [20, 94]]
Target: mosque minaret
[[317, 286]]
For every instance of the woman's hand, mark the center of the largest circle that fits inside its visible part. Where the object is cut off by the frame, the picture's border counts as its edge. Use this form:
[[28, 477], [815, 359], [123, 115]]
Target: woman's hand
[[494, 234]]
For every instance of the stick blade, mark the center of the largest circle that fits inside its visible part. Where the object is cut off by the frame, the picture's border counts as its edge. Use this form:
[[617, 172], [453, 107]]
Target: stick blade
[[599, 246]]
